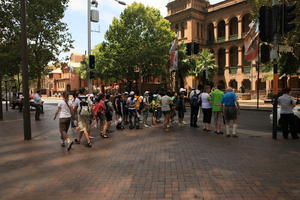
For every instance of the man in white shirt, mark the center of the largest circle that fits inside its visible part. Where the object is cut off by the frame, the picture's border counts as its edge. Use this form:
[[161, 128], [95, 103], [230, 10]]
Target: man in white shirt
[[65, 112], [38, 103], [287, 103]]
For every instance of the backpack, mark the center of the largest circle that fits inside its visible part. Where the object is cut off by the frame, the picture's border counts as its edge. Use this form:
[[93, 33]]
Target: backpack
[[84, 110], [107, 108], [195, 99], [142, 105]]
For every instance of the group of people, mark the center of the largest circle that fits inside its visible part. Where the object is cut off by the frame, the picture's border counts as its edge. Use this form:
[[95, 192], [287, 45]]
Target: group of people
[[224, 108], [85, 111]]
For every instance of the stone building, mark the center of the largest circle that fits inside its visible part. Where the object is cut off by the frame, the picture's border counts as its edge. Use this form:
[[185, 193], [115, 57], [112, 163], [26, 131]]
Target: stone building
[[221, 28]]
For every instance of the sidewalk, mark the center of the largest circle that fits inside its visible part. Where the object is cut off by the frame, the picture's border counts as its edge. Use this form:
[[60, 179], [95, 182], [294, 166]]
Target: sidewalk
[[146, 164]]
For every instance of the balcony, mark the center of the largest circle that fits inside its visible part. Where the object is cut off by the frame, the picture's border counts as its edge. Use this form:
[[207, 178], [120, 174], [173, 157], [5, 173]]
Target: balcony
[[220, 39], [233, 37], [233, 70], [209, 42], [246, 69], [262, 69], [220, 71]]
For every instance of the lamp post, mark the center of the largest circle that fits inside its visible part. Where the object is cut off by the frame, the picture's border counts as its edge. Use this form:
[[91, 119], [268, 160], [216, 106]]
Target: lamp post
[[89, 5]]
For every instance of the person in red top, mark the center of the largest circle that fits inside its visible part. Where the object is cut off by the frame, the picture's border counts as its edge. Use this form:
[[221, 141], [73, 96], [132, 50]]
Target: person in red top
[[99, 113]]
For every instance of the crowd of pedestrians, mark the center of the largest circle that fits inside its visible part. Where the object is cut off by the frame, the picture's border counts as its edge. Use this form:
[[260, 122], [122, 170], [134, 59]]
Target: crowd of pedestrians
[[100, 111]]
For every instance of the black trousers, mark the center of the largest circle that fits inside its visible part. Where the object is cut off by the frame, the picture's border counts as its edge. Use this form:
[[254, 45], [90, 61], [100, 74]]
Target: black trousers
[[37, 111], [288, 125], [194, 115]]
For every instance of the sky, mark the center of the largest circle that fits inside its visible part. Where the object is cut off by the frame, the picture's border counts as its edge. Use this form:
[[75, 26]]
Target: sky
[[76, 18]]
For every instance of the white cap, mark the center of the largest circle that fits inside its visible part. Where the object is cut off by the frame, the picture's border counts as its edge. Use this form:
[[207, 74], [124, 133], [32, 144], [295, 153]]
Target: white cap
[[126, 93], [131, 93], [147, 92], [154, 95], [182, 90]]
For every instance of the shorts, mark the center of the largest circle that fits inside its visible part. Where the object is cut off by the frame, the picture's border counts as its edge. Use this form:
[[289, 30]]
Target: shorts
[[230, 113], [108, 117], [207, 113], [84, 123], [166, 112], [217, 116], [64, 124]]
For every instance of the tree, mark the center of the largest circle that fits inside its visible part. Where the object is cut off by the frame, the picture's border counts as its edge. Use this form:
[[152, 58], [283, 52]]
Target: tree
[[288, 65], [136, 45], [185, 64], [204, 63], [47, 35]]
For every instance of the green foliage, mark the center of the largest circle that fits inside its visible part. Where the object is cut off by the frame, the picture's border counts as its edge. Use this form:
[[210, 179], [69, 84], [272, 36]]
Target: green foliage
[[288, 64], [47, 35], [185, 64], [136, 44], [204, 60]]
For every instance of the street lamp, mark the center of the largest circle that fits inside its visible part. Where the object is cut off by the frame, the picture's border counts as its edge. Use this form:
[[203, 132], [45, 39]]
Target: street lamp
[[93, 16]]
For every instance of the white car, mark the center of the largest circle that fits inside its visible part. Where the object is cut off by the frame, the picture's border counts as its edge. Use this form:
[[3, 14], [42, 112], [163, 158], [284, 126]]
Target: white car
[[296, 111]]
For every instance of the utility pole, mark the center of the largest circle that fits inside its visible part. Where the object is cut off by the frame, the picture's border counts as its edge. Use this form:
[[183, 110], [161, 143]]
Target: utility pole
[[89, 43], [276, 77], [25, 77]]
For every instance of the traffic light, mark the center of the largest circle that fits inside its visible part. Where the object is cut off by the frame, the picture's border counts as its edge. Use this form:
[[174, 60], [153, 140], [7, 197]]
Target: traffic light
[[91, 61], [266, 27], [287, 17], [265, 53]]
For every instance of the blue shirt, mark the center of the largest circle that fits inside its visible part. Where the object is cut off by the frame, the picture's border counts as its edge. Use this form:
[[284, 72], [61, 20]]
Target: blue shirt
[[229, 99]]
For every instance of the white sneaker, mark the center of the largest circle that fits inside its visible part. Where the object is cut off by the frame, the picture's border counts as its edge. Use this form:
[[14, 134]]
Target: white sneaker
[[146, 126]]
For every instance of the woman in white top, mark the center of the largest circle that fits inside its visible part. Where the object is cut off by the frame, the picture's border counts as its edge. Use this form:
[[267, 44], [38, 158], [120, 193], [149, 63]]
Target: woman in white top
[[206, 108], [65, 113]]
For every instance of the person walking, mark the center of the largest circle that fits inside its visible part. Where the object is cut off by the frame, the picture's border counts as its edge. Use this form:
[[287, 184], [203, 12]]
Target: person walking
[[109, 110], [118, 109], [154, 109], [75, 105], [145, 108], [194, 102], [125, 110], [166, 103], [216, 99], [180, 106], [99, 113], [84, 119], [206, 108], [37, 103], [287, 117], [231, 108], [131, 104], [65, 114]]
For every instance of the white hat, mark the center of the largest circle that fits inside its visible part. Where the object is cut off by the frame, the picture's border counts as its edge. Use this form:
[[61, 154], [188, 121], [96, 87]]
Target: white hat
[[147, 92], [182, 90], [131, 93], [154, 95], [126, 93]]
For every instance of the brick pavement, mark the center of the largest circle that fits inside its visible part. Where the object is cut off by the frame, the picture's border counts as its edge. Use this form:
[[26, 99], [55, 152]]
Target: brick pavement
[[146, 164]]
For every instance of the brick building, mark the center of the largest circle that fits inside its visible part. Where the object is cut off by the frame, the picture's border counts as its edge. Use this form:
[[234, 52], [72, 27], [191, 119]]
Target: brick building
[[221, 28]]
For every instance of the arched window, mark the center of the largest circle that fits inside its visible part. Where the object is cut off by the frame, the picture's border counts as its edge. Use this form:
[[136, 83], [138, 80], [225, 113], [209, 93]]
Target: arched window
[[246, 20], [233, 28], [221, 30]]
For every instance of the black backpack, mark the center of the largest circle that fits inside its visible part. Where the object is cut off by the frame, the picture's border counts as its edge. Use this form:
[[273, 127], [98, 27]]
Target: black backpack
[[195, 99]]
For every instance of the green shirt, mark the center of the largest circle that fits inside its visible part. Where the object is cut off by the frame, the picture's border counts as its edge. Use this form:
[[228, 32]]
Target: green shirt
[[216, 98]]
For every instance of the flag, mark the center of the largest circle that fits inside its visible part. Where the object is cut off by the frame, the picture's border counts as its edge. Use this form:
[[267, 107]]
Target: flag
[[251, 42], [173, 54]]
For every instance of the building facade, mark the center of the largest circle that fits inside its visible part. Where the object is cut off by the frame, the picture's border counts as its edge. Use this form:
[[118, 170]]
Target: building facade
[[221, 28]]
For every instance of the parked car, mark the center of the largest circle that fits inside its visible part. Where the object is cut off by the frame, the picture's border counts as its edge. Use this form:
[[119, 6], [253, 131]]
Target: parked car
[[296, 111], [18, 102]]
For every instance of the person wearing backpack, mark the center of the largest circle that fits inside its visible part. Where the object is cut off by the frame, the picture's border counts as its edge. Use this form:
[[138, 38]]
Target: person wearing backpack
[[180, 107], [84, 118], [65, 114], [194, 102], [108, 115], [99, 113]]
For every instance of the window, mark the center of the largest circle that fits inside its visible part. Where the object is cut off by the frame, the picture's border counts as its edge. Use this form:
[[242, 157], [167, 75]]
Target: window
[[182, 30]]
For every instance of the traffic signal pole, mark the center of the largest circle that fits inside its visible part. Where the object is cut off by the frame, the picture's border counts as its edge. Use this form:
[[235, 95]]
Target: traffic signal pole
[[275, 81]]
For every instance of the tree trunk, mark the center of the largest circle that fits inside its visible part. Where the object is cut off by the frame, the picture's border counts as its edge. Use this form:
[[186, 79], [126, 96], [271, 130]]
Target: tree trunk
[[1, 108]]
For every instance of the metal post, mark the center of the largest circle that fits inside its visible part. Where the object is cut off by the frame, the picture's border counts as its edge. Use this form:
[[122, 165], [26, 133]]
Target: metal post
[[275, 85], [6, 101], [1, 108], [25, 77], [89, 43]]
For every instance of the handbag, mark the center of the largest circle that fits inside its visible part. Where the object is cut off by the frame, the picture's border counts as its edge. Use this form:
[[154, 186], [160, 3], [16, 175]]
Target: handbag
[[71, 111]]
